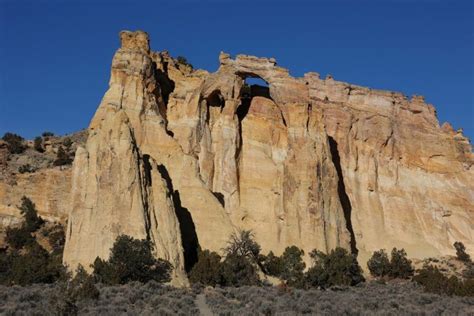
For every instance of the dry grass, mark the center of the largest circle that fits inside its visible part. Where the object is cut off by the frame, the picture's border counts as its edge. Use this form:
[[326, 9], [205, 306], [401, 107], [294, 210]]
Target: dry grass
[[366, 299], [131, 299]]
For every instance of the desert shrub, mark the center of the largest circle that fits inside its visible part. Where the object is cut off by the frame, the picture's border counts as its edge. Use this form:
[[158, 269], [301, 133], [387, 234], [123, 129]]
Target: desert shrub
[[292, 266], [243, 244], [400, 265], [15, 143], [67, 142], [57, 238], [379, 264], [26, 168], [6, 260], [182, 60], [207, 270], [131, 260], [396, 298], [468, 273], [47, 134], [34, 266], [241, 261], [62, 158], [38, 144], [238, 270], [103, 272], [18, 237], [82, 286], [434, 281], [336, 268], [272, 264], [461, 252], [30, 215]]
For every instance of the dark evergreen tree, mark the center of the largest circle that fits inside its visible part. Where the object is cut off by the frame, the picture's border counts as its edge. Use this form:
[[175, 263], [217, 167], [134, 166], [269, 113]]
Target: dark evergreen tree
[[38, 144], [207, 270], [131, 260], [272, 264], [31, 219], [15, 143], [461, 252], [379, 264], [338, 267], [238, 270], [400, 265], [62, 158], [292, 266]]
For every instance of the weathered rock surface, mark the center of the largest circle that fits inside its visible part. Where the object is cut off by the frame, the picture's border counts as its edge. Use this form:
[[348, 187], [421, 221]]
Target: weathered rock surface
[[48, 186], [184, 158]]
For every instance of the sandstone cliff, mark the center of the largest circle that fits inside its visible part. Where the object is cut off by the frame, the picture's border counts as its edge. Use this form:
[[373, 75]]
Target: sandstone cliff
[[185, 157]]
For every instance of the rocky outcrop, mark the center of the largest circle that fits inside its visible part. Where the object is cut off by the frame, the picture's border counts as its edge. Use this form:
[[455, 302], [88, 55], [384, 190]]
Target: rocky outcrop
[[184, 158], [48, 186]]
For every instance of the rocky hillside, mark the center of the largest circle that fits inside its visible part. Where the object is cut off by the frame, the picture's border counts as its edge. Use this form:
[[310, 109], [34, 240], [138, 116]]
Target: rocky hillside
[[31, 168], [185, 157]]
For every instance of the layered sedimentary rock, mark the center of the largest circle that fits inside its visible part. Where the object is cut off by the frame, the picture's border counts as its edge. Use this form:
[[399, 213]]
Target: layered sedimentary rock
[[184, 158], [48, 188]]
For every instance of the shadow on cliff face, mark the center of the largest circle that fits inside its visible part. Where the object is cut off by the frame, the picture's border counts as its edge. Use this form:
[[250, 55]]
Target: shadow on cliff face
[[341, 190], [186, 224], [163, 89]]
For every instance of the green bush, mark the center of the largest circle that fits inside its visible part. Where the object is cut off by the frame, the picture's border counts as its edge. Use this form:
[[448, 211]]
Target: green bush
[[242, 260], [238, 270], [468, 273], [47, 134], [207, 270], [338, 267], [34, 266], [57, 238], [400, 265], [272, 264], [38, 144], [461, 252], [434, 281], [292, 266], [131, 260], [18, 237], [182, 60], [62, 158], [30, 215], [15, 143], [82, 286], [379, 264]]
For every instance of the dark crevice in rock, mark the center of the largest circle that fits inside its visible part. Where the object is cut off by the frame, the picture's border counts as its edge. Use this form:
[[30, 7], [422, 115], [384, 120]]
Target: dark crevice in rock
[[164, 87], [147, 170], [146, 173], [341, 190], [186, 224], [220, 197]]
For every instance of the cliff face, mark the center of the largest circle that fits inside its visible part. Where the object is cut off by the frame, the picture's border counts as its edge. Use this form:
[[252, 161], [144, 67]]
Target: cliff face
[[186, 157], [47, 185]]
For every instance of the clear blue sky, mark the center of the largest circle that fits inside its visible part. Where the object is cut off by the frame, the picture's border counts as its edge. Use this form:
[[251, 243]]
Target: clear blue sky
[[55, 56]]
